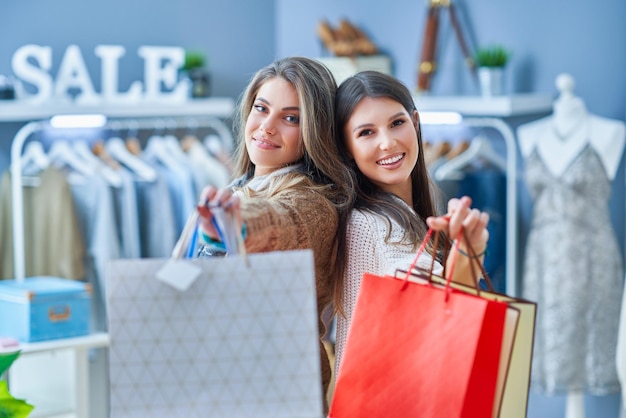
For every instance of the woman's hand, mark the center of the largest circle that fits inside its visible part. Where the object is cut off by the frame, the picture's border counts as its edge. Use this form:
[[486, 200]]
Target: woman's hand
[[213, 200], [461, 216]]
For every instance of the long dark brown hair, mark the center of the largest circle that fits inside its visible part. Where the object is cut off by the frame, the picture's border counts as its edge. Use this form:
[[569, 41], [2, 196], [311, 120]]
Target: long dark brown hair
[[369, 196]]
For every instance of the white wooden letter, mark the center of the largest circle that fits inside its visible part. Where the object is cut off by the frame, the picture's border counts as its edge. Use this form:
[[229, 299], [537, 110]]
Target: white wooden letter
[[110, 55], [73, 73], [155, 73], [38, 76]]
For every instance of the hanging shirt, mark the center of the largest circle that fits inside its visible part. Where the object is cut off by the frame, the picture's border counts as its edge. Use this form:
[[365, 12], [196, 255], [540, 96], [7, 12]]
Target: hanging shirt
[[52, 238]]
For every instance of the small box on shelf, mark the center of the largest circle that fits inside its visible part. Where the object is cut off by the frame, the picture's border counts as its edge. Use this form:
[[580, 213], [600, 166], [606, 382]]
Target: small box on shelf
[[344, 67], [44, 308]]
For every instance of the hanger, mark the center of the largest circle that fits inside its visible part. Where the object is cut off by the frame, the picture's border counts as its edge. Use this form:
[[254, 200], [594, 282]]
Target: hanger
[[61, 154], [432, 152], [34, 158], [222, 140], [108, 173], [133, 145], [158, 149], [479, 150], [457, 149], [174, 146], [117, 149], [215, 149]]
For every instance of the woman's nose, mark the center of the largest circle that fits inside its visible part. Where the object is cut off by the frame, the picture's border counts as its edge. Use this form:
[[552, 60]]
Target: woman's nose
[[268, 126], [387, 140]]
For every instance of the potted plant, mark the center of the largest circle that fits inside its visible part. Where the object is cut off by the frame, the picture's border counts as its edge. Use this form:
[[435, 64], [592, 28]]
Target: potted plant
[[491, 61], [10, 407], [195, 68]]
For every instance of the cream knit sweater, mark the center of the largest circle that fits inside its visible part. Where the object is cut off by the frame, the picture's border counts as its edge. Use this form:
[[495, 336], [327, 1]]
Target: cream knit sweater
[[368, 252]]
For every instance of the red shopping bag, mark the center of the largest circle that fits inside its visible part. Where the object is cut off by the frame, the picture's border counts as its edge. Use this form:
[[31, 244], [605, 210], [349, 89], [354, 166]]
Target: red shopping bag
[[419, 350], [516, 355]]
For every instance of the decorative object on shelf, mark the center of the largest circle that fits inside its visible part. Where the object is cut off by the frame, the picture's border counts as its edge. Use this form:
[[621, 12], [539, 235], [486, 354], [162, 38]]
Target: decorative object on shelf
[[195, 68], [73, 84], [7, 87], [345, 41], [352, 51], [491, 61], [43, 308], [427, 64], [10, 407], [344, 67]]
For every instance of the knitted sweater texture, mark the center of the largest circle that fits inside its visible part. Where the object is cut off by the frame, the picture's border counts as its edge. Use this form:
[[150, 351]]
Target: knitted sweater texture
[[368, 252], [297, 218]]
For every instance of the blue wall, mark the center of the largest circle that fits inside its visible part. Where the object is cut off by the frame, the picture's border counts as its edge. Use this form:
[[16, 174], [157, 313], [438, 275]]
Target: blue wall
[[584, 38], [237, 37]]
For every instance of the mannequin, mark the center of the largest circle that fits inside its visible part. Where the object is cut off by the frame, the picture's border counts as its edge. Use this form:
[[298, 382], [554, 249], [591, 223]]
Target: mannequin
[[573, 266], [561, 137]]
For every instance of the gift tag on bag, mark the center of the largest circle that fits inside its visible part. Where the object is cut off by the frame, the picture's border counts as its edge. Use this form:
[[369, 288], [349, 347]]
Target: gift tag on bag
[[180, 274]]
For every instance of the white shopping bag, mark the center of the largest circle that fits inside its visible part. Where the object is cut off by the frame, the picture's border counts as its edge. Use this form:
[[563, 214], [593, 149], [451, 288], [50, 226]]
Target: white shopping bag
[[241, 341]]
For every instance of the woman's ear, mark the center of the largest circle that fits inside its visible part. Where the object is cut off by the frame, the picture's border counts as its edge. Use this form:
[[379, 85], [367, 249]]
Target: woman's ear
[[416, 119]]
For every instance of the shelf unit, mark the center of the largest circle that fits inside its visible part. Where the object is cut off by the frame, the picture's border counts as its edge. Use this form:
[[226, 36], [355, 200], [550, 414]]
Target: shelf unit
[[62, 390], [493, 112]]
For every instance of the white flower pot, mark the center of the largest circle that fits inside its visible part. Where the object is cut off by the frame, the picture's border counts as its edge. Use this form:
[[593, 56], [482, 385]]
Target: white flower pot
[[491, 81]]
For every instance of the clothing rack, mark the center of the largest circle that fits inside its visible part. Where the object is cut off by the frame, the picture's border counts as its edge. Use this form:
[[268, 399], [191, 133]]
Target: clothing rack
[[505, 131], [33, 127]]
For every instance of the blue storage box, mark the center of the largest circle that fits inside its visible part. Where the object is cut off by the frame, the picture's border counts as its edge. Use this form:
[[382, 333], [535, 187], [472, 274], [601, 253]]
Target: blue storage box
[[44, 308]]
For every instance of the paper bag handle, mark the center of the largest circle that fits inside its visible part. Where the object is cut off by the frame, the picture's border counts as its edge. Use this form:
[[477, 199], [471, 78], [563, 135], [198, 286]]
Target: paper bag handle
[[471, 253], [475, 257]]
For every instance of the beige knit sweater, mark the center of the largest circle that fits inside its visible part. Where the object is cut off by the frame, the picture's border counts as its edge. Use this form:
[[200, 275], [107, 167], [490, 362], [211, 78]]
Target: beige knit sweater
[[298, 218]]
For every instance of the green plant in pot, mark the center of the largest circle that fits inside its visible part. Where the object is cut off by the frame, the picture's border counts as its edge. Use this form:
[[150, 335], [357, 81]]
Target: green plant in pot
[[195, 68], [491, 61], [10, 407]]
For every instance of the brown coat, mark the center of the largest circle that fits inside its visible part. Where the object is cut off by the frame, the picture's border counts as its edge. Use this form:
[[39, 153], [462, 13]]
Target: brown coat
[[298, 218]]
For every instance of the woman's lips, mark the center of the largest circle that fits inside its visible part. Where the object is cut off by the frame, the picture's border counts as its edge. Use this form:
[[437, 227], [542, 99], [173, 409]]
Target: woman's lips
[[391, 161], [264, 144]]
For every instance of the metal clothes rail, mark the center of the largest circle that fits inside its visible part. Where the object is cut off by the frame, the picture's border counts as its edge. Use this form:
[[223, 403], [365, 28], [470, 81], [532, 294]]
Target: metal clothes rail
[[34, 127]]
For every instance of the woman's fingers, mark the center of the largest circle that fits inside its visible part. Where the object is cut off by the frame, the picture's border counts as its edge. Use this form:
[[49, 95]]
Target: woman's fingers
[[438, 223], [461, 216], [458, 210], [213, 200]]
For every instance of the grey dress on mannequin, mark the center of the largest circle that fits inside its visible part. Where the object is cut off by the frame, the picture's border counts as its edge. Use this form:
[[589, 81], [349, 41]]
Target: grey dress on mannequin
[[572, 264], [573, 270]]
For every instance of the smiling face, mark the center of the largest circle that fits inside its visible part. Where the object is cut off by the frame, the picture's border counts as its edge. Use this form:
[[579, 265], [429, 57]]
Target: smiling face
[[272, 131], [381, 137]]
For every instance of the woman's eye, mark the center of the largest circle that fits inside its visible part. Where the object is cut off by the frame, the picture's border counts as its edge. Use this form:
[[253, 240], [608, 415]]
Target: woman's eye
[[259, 108], [397, 122], [365, 132], [292, 119]]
